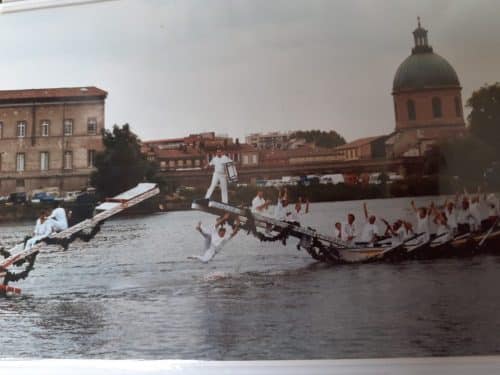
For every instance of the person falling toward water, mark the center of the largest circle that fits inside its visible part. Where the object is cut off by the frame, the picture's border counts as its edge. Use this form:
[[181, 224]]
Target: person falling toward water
[[219, 177], [215, 238]]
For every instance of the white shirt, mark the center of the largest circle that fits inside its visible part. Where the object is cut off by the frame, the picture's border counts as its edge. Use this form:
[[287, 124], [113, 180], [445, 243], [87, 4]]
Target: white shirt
[[349, 230], [43, 229], [493, 205], [59, 215], [219, 162], [282, 213], [256, 203], [369, 230], [424, 227], [216, 241], [399, 237], [451, 218], [475, 212], [338, 233]]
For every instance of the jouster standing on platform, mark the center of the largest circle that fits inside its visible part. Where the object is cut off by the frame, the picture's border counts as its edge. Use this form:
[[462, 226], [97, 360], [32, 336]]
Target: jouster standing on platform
[[219, 177]]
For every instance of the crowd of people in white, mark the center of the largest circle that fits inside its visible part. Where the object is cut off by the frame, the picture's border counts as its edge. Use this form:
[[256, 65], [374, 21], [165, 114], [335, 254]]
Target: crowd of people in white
[[464, 213]]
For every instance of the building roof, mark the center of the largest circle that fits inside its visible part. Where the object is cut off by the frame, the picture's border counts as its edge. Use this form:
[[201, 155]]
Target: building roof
[[49, 94], [178, 154], [357, 143], [424, 69], [299, 152]]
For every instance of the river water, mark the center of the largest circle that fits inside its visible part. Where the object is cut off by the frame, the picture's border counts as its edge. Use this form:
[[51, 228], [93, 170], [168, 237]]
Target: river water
[[131, 293]]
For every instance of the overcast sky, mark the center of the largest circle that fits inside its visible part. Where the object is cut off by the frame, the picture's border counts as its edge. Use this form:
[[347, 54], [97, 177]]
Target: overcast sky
[[174, 67]]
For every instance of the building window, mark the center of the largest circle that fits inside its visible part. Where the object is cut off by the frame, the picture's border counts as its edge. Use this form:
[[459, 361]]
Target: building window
[[20, 162], [436, 108], [68, 127], [180, 163], [171, 164], [458, 109], [254, 159], [189, 163], [44, 128], [245, 159], [91, 158], [44, 161], [163, 165], [91, 126], [21, 129], [68, 160], [410, 105], [197, 162]]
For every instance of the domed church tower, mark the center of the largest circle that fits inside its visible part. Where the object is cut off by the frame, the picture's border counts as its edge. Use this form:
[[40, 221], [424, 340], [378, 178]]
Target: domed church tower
[[427, 100]]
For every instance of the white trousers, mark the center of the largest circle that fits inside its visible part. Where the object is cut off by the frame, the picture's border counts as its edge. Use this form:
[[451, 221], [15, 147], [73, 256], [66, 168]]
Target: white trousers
[[57, 226], [32, 241], [218, 179]]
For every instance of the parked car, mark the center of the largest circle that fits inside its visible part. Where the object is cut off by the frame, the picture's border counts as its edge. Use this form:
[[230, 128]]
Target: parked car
[[17, 198], [332, 179], [43, 197], [70, 196]]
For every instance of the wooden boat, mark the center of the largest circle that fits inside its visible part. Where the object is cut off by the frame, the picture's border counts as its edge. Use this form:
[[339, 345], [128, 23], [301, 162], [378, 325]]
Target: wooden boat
[[332, 250], [320, 246], [111, 207]]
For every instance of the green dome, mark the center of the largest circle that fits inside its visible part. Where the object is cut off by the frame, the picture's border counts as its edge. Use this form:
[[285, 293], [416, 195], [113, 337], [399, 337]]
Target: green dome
[[424, 70]]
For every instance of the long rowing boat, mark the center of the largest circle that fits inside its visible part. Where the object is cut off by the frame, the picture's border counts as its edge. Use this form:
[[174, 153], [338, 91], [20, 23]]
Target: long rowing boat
[[332, 250]]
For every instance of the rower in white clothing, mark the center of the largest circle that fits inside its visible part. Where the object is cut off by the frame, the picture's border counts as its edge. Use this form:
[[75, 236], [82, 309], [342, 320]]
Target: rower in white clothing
[[219, 177], [397, 232], [349, 229], [259, 204], [423, 225], [58, 218], [370, 232], [215, 238], [43, 228]]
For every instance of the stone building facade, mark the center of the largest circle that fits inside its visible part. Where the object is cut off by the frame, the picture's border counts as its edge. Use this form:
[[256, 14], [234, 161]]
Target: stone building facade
[[49, 138]]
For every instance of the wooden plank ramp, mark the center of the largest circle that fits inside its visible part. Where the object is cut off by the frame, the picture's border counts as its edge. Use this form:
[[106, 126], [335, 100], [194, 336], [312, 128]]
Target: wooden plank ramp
[[115, 205]]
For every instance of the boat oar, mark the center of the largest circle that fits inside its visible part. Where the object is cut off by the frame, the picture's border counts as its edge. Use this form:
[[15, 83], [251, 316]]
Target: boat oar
[[485, 237]]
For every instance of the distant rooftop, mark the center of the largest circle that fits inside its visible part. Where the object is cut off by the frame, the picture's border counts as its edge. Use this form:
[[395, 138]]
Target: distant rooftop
[[48, 94]]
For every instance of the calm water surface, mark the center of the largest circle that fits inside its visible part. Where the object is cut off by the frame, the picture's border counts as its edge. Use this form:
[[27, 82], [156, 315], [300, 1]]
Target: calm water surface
[[131, 293]]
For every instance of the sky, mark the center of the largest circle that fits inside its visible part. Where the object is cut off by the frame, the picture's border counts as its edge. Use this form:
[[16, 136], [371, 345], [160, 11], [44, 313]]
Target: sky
[[177, 67]]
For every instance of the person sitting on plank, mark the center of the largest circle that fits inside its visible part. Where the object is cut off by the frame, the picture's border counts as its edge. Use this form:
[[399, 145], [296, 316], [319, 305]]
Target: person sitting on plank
[[215, 238], [370, 232], [443, 230], [58, 218], [493, 209], [43, 228], [423, 225], [299, 210]]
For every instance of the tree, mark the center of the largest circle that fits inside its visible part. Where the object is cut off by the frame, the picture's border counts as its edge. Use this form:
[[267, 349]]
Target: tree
[[465, 157], [121, 165], [484, 118], [320, 138]]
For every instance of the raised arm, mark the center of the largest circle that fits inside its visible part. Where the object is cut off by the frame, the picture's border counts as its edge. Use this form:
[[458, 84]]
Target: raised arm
[[365, 210], [307, 206], [413, 206]]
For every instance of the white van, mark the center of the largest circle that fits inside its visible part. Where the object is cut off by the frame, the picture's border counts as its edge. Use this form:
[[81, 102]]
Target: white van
[[332, 179]]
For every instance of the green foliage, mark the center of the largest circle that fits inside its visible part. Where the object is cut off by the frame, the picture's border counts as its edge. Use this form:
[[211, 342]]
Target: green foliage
[[484, 118], [321, 138], [121, 165], [465, 157]]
